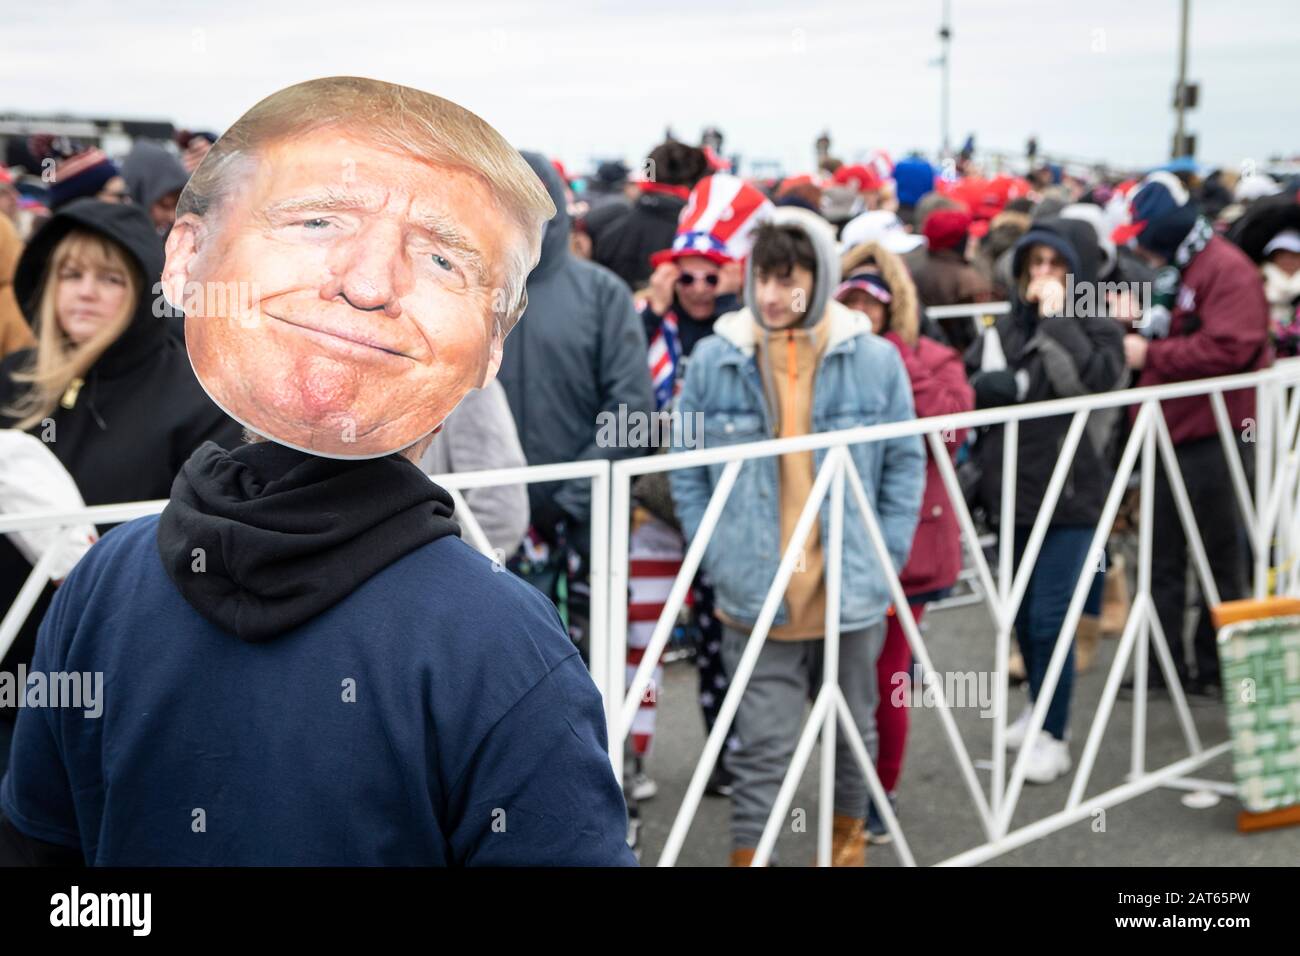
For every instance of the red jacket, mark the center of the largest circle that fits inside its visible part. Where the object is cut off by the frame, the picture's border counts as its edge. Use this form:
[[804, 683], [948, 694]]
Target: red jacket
[[939, 387], [1223, 288]]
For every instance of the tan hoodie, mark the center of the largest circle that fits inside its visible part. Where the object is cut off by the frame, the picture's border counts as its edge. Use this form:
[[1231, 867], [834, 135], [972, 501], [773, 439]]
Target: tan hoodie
[[790, 367]]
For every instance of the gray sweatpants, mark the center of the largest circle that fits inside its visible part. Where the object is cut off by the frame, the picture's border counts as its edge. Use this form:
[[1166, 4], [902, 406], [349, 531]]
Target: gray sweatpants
[[789, 674]]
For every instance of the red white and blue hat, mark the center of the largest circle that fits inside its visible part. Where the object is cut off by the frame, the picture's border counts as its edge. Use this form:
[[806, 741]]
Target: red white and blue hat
[[1155, 197], [718, 221], [871, 283]]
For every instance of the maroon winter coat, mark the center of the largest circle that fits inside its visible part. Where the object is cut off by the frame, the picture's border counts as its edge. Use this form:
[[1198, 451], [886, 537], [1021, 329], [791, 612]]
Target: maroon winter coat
[[1223, 288], [939, 387]]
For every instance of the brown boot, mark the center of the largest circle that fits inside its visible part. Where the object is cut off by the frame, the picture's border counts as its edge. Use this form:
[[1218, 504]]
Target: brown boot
[[1016, 666], [743, 857], [1086, 638], [1115, 601], [848, 841]]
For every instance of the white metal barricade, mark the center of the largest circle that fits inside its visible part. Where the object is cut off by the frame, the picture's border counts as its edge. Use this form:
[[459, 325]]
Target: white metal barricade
[[1273, 526], [596, 471]]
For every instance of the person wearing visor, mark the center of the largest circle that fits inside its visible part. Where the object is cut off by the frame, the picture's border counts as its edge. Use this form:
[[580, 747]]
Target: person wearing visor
[[868, 293]]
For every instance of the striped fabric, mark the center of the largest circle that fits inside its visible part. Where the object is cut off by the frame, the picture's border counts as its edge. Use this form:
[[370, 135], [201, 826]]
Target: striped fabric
[[655, 554]]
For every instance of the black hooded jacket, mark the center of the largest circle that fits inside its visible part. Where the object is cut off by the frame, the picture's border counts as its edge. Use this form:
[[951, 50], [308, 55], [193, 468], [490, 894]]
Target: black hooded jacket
[[140, 412], [1057, 357], [578, 350]]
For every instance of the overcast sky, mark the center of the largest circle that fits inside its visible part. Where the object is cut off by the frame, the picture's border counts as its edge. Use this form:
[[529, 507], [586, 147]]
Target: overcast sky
[[1092, 79]]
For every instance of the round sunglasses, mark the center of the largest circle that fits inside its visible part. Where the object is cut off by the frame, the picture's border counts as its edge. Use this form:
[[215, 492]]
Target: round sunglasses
[[690, 278]]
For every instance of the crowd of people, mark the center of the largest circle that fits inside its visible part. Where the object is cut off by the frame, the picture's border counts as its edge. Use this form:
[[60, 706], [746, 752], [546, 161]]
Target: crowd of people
[[762, 309]]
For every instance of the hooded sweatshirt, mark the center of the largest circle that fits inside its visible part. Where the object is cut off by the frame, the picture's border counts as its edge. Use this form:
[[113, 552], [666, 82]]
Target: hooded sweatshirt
[[787, 361], [306, 660], [579, 350], [151, 173], [140, 412]]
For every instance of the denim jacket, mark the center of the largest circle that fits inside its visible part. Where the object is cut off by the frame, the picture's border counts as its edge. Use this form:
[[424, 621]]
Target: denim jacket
[[860, 381]]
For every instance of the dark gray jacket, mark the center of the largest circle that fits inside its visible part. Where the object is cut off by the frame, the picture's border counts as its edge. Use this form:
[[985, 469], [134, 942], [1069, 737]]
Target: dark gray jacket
[[151, 173], [578, 350]]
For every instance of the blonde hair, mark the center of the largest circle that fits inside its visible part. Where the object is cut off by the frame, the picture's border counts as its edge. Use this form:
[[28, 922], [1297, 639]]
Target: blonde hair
[[395, 117], [58, 361]]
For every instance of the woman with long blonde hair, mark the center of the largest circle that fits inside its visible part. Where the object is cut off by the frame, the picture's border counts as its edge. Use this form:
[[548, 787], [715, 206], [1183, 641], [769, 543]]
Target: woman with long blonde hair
[[106, 387], [87, 298]]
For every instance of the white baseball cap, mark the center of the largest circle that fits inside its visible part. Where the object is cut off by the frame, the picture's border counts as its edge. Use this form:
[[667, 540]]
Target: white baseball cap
[[1288, 240], [882, 226]]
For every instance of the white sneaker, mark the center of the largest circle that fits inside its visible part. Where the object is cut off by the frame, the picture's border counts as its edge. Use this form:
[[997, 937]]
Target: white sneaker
[[1016, 730], [643, 786], [1048, 760]]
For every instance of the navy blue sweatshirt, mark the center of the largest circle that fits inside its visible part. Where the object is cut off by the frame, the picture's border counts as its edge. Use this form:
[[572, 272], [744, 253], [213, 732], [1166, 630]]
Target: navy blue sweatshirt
[[430, 711]]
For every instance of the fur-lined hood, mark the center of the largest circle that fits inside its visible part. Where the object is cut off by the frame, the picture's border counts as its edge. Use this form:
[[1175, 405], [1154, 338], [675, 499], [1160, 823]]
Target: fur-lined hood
[[904, 310]]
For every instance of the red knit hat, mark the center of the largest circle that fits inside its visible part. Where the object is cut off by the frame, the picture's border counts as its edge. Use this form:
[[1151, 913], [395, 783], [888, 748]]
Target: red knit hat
[[946, 228]]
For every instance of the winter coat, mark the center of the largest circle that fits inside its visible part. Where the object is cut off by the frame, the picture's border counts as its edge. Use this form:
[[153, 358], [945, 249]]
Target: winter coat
[[1046, 358], [945, 278], [15, 333], [578, 350], [1219, 326], [939, 387]]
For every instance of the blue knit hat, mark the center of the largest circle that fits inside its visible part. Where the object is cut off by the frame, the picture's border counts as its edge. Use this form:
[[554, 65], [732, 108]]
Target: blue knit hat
[[1161, 214], [80, 176], [913, 178]]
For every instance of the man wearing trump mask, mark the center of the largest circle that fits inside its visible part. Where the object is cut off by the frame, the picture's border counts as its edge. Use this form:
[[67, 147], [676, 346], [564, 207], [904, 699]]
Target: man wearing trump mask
[[303, 662]]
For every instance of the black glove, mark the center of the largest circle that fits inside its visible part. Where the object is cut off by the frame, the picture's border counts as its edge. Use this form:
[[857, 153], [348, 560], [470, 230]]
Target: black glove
[[549, 520], [994, 388]]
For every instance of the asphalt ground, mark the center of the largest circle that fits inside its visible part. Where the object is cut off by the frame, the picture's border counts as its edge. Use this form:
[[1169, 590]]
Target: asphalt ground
[[935, 807]]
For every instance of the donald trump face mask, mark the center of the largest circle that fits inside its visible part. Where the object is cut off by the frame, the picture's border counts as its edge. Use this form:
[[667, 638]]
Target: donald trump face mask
[[349, 257]]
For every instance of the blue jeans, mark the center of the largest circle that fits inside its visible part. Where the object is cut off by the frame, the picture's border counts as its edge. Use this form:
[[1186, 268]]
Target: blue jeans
[[1096, 594], [1042, 612]]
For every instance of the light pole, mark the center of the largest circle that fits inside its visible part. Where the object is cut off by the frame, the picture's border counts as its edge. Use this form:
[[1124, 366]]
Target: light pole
[[1180, 140], [945, 42]]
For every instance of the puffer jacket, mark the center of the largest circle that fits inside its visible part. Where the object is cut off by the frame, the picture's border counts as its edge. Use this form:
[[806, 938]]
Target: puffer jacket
[[1056, 357]]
